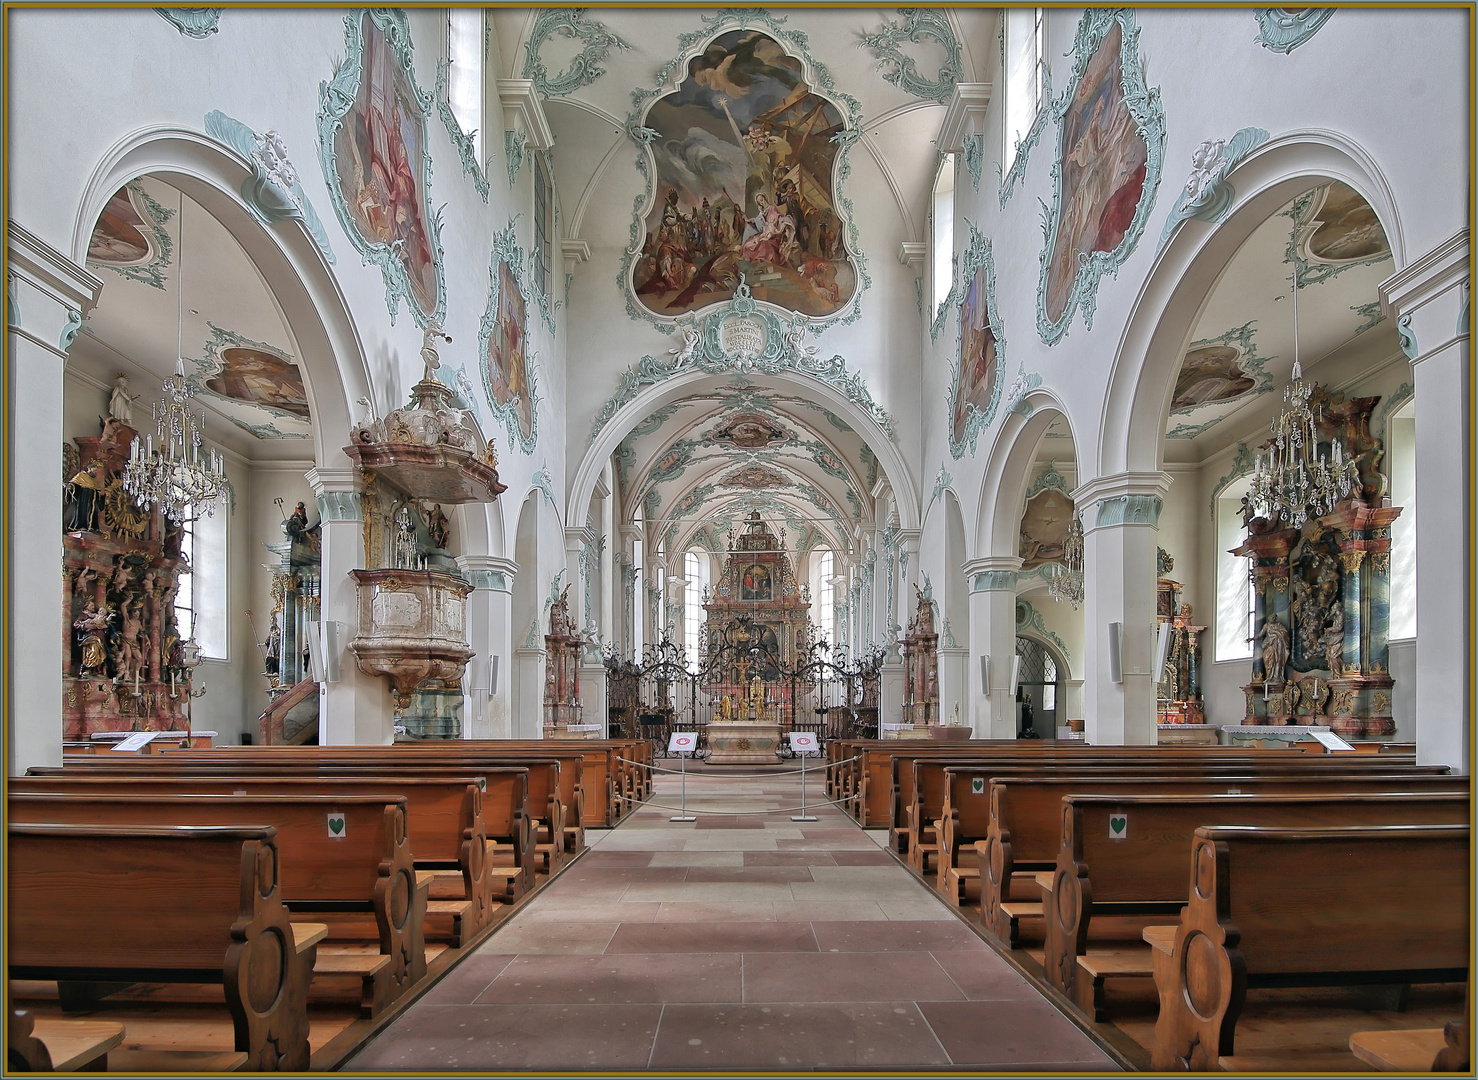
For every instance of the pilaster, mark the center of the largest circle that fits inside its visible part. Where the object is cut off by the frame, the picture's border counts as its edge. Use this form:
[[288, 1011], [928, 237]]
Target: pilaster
[[992, 584], [487, 709], [1429, 303], [48, 296]]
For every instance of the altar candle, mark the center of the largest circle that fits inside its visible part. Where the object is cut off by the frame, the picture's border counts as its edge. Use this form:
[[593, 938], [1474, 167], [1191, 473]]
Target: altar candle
[[135, 682], [171, 685], [1265, 688]]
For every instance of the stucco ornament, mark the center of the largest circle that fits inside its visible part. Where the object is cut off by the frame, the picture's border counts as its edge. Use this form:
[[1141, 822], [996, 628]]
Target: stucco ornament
[[1207, 196], [585, 68], [192, 22], [918, 25], [1110, 153], [1285, 29], [743, 338], [1023, 149], [273, 193]]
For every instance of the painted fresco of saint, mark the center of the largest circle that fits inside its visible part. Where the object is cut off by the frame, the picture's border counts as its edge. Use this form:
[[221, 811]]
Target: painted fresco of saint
[[744, 186], [260, 378], [507, 362], [1103, 169], [1208, 375], [978, 356], [378, 153]]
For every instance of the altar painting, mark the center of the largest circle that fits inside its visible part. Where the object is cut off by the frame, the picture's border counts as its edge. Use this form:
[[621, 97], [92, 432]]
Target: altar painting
[[379, 161], [756, 583], [979, 374], [744, 184], [505, 359]]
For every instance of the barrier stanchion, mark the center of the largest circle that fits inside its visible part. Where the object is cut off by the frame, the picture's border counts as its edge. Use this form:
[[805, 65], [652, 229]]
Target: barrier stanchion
[[683, 743], [802, 743]]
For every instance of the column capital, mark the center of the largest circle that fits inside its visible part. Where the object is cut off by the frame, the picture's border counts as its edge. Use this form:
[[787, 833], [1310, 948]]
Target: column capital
[[488, 571], [1127, 498], [323, 479], [1428, 300], [965, 114], [47, 294], [995, 573]]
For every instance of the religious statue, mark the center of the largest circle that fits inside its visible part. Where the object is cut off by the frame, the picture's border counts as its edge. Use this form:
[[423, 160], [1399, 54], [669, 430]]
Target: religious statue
[[428, 348], [131, 638], [756, 698], [86, 492], [437, 525], [91, 624], [273, 645], [120, 402], [297, 522], [405, 539], [1333, 640], [1274, 650], [726, 709]]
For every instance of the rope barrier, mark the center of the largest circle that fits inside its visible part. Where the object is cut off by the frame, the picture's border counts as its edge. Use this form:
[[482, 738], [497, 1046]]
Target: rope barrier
[[742, 813], [751, 776]]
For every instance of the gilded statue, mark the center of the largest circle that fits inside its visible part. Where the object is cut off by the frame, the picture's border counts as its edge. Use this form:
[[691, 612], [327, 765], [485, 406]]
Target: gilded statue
[[1274, 650], [757, 697], [91, 624]]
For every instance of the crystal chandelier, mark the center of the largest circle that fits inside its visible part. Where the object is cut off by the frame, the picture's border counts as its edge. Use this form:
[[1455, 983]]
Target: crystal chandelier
[[180, 475], [1066, 583], [1293, 480]]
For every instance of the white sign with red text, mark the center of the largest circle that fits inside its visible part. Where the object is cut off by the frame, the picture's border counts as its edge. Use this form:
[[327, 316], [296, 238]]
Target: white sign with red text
[[682, 742]]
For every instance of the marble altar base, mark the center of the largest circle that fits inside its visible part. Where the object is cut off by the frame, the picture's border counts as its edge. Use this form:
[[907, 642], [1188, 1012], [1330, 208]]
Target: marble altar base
[[1187, 735], [740, 743], [1268, 735]]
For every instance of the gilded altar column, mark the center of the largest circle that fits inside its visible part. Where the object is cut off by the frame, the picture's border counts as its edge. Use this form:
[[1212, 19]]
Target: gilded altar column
[[1362, 688], [1429, 302], [47, 297]]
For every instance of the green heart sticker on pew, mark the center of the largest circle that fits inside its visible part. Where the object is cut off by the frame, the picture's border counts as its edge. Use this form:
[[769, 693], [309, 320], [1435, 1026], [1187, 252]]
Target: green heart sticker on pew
[[1118, 826], [336, 824], [482, 783], [977, 785]]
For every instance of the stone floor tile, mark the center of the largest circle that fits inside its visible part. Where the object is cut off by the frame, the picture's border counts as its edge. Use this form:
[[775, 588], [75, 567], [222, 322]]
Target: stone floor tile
[[691, 911], [830, 911], [902, 889], [558, 911], [604, 859], [627, 979], [480, 1038], [698, 858], [925, 936], [922, 908], [469, 978], [861, 843], [737, 840], [711, 891], [749, 873], [782, 1037], [699, 937], [791, 858], [524, 938], [782, 977], [992, 1034], [597, 878], [984, 976], [863, 858]]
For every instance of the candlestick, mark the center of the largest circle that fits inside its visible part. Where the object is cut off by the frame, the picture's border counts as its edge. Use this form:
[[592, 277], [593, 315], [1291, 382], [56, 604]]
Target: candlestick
[[135, 682]]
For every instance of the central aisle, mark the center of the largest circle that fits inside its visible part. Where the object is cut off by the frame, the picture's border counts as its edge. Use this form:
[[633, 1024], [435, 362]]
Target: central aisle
[[733, 942]]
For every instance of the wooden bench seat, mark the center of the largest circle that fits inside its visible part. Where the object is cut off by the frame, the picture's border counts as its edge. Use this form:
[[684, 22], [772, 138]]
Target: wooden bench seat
[[1139, 870], [1270, 906], [445, 823], [1025, 829], [363, 866], [196, 904], [49, 1045]]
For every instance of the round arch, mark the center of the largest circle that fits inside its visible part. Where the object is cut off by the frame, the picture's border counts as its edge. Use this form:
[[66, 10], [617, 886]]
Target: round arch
[[659, 395], [1132, 425], [293, 269], [1008, 471]]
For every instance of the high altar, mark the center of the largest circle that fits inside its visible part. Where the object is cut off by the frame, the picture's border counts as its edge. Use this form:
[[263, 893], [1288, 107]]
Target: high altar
[[757, 628]]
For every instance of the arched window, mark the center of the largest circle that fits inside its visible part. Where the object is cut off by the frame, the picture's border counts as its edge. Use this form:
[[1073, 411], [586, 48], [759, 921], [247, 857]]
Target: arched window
[[639, 597], [1401, 461], [823, 592], [695, 571], [201, 603], [1039, 679], [1025, 67], [1235, 600], [465, 74], [942, 213]]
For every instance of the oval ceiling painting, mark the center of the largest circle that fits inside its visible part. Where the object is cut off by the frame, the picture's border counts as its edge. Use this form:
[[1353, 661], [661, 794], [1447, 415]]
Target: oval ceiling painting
[[259, 378], [744, 185], [1209, 375]]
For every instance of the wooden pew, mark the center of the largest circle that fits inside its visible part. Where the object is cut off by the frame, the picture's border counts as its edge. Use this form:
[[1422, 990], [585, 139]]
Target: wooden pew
[[445, 823], [1138, 869], [1379, 905], [34, 1045], [196, 904], [1024, 833], [363, 867]]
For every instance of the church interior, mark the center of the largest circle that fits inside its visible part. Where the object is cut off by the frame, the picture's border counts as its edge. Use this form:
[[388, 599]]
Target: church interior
[[725, 509]]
